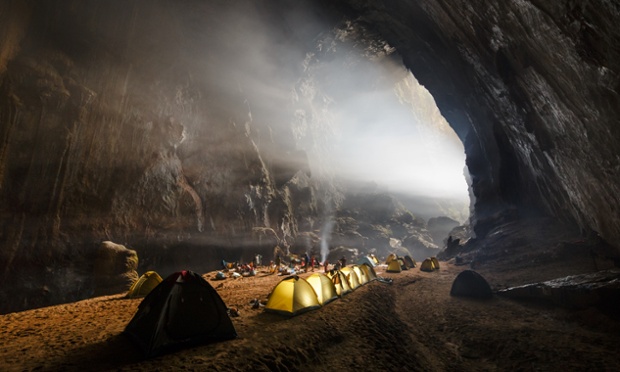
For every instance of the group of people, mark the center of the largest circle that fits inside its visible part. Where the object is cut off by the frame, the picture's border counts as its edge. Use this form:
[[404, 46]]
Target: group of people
[[248, 269], [306, 264]]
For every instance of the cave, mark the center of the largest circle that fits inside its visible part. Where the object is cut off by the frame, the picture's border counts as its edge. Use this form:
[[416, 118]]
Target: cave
[[164, 127]]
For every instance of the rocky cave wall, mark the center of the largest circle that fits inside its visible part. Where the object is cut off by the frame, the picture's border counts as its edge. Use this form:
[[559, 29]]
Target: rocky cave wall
[[531, 87], [111, 129]]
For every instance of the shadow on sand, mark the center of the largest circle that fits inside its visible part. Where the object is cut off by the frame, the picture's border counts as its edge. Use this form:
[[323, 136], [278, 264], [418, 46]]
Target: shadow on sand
[[112, 353]]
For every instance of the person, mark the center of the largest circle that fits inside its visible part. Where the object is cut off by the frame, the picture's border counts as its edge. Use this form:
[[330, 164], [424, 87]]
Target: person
[[258, 260], [337, 265], [312, 263], [325, 266], [343, 261], [278, 260]]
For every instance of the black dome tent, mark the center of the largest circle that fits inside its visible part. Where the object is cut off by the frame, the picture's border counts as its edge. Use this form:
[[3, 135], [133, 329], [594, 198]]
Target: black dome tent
[[182, 310]]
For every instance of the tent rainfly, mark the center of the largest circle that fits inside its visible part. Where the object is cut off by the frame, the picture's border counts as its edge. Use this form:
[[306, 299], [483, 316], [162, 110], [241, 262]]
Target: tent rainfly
[[393, 267], [351, 276], [292, 296], [144, 285], [340, 282], [183, 310], [323, 287], [427, 265]]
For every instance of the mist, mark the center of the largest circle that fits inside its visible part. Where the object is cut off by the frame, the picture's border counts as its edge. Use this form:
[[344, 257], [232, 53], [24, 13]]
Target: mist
[[339, 94], [301, 83]]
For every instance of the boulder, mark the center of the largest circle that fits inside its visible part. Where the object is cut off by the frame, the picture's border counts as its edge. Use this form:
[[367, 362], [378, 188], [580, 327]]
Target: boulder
[[115, 269]]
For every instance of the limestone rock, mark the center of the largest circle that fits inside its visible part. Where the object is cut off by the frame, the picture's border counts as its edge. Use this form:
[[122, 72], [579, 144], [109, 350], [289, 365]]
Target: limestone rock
[[599, 289], [115, 268]]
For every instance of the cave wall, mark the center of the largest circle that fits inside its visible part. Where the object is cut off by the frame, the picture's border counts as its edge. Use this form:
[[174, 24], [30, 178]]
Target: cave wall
[[111, 129], [531, 87]]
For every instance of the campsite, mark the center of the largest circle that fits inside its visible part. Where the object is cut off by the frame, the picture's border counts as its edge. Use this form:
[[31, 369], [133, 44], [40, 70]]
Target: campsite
[[411, 324]]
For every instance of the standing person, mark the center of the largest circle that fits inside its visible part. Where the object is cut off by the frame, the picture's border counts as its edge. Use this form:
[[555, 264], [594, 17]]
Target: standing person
[[278, 261], [326, 265], [337, 265], [312, 262], [343, 261]]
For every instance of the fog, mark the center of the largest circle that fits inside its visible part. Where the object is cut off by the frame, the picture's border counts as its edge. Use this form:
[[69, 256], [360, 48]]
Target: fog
[[406, 147], [340, 94], [295, 80]]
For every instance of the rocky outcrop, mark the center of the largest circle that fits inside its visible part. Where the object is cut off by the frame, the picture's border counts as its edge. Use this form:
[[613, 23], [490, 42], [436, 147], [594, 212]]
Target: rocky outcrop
[[115, 269], [600, 289], [440, 228]]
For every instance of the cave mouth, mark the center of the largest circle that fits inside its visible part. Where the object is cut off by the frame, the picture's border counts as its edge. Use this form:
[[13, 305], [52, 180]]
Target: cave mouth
[[384, 132]]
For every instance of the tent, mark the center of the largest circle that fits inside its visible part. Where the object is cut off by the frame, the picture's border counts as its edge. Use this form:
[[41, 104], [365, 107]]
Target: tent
[[403, 265], [374, 259], [144, 285], [365, 260], [369, 272], [363, 279], [183, 310], [410, 262], [393, 267], [323, 287], [340, 282], [391, 258], [435, 262], [470, 284], [427, 265], [351, 276], [292, 296]]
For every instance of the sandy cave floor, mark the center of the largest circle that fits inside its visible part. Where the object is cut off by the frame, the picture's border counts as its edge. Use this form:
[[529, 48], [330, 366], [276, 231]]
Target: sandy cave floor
[[412, 324]]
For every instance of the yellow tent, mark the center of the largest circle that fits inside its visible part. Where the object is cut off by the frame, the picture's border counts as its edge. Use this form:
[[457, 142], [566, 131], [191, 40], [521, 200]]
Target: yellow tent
[[144, 285], [292, 296], [323, 287], [393, 267], [363, 279], [340, 282], [369, 272], [435, 262], [410, 262], [427, 265], [351, 276], [391, 258], [374, 259]]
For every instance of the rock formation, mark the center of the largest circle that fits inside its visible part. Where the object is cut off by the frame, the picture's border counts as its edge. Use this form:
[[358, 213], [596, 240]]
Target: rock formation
[[115, 269], [136, 122]]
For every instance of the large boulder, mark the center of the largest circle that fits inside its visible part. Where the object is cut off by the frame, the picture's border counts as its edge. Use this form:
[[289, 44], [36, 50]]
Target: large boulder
[[115, 268]]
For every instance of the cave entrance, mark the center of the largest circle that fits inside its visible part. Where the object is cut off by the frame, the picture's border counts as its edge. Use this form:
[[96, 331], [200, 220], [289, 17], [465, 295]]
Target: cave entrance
[[383, 130]]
